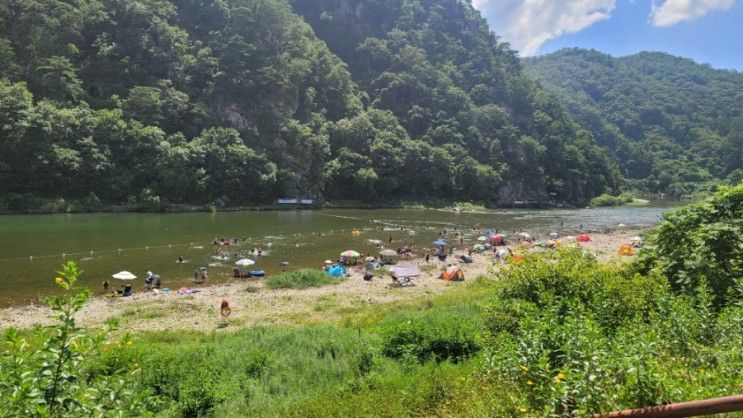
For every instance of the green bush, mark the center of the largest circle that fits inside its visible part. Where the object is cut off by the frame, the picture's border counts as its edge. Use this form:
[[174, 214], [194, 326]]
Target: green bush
[[54, 372], [609, 200], [439, 336], [300, 279], [701, 243], [574, 337]]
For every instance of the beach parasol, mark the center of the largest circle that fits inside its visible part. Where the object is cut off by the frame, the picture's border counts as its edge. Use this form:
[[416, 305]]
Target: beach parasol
[[350, 254], [124, 275], [482, 239], [245, 262], [328, 262], [388, 253], [440, 243]]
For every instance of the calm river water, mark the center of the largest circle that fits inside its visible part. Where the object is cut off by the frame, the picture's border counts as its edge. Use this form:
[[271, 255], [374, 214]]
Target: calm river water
[[33, 247]]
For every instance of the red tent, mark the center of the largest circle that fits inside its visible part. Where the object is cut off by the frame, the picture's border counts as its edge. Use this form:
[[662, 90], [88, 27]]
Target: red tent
[[497, 239], [583, 238]]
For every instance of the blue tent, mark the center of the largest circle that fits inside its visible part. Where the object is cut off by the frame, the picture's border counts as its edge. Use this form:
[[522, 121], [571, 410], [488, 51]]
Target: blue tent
[[336, 271]]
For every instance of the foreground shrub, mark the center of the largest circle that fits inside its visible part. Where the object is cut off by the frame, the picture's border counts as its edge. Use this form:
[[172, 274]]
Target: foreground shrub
[[300, 279], [575, 338], [439, 336], [701, 243], [56, 375]]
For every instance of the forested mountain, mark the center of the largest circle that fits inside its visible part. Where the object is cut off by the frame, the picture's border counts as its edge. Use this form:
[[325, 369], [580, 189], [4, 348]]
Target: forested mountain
[[669, 122], [189, 101]]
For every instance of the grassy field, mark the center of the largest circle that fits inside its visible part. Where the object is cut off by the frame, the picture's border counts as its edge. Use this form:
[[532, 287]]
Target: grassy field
[[557, 334]]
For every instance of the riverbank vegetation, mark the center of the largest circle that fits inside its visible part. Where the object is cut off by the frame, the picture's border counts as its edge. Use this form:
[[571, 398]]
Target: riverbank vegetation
[[558, 334], [609, 200], [300, 279]]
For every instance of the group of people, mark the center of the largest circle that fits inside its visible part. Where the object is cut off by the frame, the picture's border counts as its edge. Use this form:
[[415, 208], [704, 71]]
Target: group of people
[[151, 281]]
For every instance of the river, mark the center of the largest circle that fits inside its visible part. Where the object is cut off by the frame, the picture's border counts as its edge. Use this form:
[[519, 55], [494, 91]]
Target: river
[[32, 247]]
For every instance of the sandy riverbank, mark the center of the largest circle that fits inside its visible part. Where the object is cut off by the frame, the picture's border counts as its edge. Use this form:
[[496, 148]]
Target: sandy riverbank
[[253, 304]]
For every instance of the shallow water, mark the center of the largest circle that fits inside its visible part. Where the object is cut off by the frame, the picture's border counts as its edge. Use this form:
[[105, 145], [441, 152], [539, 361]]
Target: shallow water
[[33, 247]]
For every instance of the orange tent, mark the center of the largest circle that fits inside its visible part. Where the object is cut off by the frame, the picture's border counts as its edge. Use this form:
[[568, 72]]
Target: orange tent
[[626, 250], [453, 274]]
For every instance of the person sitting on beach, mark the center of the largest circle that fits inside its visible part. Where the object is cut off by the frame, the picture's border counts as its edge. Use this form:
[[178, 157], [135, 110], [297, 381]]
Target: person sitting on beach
[[127, 291], [158, 281], [502, 253], [180, 259]]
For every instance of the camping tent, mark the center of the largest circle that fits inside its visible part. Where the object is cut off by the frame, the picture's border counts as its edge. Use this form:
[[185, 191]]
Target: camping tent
[[626, 250], [336, 271], [453, 274], [583, 238]]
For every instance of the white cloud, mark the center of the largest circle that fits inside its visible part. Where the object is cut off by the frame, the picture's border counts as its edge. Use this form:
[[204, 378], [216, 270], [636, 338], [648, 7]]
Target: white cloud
[[527, 24], [671, 12]]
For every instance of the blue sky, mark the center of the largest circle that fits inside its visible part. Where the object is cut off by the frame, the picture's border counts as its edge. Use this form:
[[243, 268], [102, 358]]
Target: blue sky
[[708, 31]]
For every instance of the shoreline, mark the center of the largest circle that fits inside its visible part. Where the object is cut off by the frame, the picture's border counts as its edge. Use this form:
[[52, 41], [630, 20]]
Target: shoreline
[[253, 304]]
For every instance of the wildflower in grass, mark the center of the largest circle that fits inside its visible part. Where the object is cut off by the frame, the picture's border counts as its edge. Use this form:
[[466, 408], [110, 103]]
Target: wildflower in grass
[[529, 382], [523, 410], [524, 368]]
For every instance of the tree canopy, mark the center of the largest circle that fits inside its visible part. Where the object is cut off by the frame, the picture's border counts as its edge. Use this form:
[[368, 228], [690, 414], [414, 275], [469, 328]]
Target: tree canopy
[[242, 101], [670, 123]]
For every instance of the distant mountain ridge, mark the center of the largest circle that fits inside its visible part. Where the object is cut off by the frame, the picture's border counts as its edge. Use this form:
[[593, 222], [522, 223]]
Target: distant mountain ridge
[[670, 123]]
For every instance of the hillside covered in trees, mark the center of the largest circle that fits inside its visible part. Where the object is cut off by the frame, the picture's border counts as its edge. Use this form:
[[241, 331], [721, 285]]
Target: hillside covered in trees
[[670, 123], [186, 101]]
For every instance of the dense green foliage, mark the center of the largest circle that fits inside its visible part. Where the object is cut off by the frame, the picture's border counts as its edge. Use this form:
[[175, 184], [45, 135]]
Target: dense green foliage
[[153, 102], [671, 123], [609, 200], [51, 375], [479, 127], [570, 337], [701, 245], [300, 279]]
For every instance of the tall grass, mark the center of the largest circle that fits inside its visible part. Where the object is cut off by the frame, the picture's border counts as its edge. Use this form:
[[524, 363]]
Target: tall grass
[[300, 279]]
